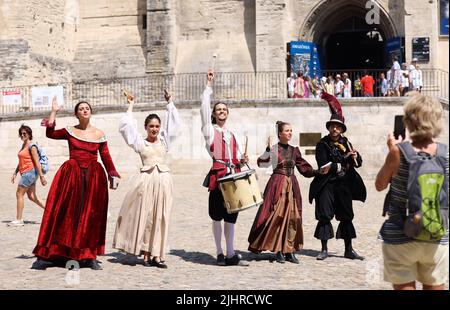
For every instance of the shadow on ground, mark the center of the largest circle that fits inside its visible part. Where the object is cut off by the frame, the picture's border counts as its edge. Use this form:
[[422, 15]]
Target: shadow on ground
[[124, 259]]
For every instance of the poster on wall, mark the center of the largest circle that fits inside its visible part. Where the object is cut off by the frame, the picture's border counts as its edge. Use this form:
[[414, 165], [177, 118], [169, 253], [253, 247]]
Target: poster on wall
[[443, 17], [12, 97], [421, 48], [41, 97], [394, 47], [304, 58]]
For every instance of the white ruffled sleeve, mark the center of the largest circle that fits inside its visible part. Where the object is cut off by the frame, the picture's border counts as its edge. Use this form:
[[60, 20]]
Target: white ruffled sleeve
[[172, 125], [129, 132]]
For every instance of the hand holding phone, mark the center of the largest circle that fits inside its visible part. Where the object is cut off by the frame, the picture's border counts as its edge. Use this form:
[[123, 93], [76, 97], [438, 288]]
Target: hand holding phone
[[399, 127], [113, 182]]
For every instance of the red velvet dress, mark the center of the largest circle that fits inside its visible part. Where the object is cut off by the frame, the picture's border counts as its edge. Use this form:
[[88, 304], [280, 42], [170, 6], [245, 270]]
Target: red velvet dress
[[74, 221]]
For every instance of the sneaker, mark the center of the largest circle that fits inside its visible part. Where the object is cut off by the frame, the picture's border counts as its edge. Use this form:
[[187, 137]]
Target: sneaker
[[221, 260], [16, 223]]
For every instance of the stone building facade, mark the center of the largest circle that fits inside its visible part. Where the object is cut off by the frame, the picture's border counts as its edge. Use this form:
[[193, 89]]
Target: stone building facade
[[59, 41]]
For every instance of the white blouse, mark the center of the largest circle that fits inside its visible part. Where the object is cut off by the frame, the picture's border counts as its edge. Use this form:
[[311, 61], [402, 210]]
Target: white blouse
[[208, 128], [152, 154]]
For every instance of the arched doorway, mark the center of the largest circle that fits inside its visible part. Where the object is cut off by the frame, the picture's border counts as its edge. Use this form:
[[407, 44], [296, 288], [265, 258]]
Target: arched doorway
[[344, 39], [353, 45]]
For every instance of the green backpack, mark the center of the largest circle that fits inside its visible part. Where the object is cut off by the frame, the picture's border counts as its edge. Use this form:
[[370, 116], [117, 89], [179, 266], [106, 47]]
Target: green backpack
[[427, 193]]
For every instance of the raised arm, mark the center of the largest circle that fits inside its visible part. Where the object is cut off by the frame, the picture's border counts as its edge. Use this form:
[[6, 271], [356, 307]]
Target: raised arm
[[390, 166], [265, 160], [128, 129], [50, 123], [205, 111], [172, 125]]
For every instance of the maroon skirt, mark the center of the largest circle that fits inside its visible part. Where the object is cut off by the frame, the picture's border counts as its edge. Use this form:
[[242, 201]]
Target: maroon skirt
[[278, 223], [74, 221]]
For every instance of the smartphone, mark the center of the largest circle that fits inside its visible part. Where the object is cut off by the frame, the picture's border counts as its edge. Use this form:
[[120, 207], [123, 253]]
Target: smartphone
[[114, 183], [399, 127]]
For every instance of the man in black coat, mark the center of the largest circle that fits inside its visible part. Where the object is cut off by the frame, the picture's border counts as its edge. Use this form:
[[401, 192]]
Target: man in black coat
[[335, 190]]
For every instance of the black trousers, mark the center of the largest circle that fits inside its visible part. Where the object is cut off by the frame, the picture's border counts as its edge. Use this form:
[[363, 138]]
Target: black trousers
[[334, 200], [217, 210]]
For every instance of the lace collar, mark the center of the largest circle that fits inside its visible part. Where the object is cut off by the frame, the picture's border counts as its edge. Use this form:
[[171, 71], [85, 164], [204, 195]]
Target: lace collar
[[69, 130]]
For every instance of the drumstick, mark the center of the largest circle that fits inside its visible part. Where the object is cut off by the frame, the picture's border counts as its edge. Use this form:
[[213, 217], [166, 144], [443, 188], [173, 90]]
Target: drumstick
[[214, 61], [246, 145]]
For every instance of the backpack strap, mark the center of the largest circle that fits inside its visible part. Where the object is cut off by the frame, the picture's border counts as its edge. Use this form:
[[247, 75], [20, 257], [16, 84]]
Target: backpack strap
[[35, 145], [408, 151]]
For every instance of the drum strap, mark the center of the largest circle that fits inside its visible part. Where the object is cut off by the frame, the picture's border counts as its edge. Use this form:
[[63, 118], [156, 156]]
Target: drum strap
[[226, 163]]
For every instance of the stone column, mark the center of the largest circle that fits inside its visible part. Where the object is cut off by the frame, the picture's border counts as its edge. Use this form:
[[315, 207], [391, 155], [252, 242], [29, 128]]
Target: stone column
[[270, 42], [160, 36]]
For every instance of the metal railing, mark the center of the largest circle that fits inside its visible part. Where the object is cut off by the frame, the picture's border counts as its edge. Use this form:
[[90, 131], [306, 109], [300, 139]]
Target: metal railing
[[435, 81], [189, 86]]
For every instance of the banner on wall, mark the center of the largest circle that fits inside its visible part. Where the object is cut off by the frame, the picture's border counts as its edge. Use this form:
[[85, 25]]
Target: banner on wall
[[443, 17], [304, 58], [12, 97], [41, 97]]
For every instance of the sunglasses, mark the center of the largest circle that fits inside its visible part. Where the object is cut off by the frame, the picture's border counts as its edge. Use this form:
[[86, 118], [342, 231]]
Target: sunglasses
[[24, 134]]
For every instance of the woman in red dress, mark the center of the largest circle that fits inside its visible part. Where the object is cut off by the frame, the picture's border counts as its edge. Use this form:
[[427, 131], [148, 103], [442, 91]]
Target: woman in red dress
[[74, 221]]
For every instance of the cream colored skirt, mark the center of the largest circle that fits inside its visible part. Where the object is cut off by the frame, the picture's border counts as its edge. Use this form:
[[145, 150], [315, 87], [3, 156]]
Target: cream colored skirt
[[143, 220]]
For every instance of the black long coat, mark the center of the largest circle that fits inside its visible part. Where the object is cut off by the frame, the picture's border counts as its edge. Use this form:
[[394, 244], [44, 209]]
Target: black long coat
[[326, 152]]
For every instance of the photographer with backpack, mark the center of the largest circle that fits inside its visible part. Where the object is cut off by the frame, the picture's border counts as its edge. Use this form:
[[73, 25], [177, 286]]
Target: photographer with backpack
[[415, 235], [30, 169]]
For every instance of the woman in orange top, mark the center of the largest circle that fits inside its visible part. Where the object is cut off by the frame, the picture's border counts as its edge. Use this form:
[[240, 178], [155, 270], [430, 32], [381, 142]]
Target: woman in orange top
[[29, 168]]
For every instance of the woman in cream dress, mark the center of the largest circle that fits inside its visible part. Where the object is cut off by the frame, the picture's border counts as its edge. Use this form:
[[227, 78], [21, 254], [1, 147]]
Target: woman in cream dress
[[143, 221]]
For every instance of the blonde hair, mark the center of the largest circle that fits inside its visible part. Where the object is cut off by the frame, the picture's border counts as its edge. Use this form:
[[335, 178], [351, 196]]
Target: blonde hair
[[422, 117]]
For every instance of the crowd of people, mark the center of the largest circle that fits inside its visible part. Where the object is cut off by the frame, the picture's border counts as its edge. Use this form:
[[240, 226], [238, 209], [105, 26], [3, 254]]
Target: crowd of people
[[395, 82], [74, 221]]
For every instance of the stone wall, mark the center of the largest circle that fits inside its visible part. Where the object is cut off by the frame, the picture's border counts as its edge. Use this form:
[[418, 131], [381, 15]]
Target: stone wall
[[59, 40], [110, 41], [222, 27], [368, 122], [36, 39]]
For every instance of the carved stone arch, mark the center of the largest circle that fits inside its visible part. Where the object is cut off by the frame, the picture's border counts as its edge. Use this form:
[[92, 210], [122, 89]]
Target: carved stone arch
[[327, 13]]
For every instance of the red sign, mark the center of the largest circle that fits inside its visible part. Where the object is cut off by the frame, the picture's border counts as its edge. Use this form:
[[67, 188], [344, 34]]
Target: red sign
[[11, 92]]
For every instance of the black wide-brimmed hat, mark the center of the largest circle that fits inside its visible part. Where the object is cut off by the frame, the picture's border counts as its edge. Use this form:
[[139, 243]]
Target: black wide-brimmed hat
[[335, 118]]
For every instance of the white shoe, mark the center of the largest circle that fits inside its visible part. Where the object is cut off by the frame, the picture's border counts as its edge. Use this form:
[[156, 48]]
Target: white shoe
[[16, 223]]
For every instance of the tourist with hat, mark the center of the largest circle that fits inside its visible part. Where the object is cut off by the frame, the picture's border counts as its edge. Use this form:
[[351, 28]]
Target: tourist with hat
[[334, 192]]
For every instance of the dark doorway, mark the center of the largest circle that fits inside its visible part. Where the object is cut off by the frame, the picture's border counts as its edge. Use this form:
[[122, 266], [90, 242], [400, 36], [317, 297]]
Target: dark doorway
[[353, 45]]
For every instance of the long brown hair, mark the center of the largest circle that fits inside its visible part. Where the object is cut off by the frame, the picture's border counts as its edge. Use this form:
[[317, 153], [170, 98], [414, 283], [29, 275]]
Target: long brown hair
[[213, 119]]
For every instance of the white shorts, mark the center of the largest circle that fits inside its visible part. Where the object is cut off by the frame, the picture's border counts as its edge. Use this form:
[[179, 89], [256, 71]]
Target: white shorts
[[422, 261]]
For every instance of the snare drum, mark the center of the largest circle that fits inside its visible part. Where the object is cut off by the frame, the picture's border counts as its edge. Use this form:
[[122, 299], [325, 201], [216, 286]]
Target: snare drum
[[240, 191]]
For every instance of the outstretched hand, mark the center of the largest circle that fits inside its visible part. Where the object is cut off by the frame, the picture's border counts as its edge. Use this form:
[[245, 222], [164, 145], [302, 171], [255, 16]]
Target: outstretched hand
[[269, 142], [167, 95], [55, 106], [210, 77]]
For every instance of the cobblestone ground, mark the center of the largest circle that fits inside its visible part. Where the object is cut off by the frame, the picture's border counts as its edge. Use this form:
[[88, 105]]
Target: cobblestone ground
[[191, 259]]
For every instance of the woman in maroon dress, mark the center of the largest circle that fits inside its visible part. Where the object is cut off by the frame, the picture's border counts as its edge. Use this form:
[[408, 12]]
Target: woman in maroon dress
[[278, 223], [74, 221]]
